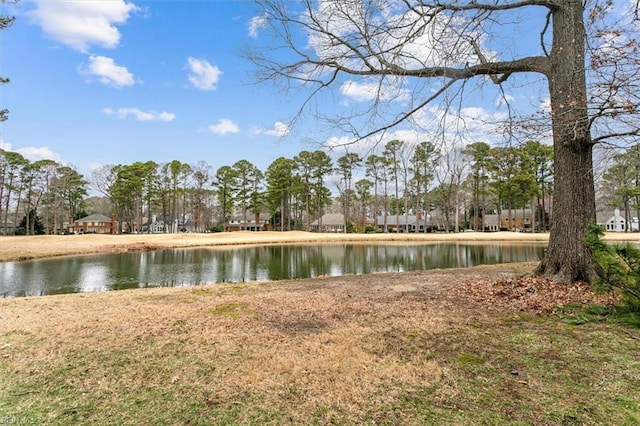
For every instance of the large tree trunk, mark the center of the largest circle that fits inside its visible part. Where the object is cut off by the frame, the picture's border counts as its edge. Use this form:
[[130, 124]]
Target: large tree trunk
[[567, 258]]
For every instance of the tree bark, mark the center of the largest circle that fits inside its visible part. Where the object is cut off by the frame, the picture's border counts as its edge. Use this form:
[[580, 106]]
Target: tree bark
[[567, 258]]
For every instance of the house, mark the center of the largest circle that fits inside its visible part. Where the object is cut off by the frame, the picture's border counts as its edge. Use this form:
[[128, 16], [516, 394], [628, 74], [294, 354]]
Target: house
[[93, 224], [516, 220], [155, 226], [330, 222], [188, 225], [185, 225], [616, 222], [401, 223], [256, 222]]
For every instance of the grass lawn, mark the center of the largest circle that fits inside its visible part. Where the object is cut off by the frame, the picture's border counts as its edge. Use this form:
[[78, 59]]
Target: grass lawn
[[408, 348]]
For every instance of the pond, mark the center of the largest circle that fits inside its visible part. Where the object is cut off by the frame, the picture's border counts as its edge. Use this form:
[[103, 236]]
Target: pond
[[188, 267]]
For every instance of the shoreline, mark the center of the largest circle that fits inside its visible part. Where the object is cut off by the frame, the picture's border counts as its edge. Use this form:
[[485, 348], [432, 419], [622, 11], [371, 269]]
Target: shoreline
[[20, 248]]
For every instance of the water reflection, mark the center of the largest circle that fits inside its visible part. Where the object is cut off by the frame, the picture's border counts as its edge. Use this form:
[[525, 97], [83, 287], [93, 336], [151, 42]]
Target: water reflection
[[186, 267]]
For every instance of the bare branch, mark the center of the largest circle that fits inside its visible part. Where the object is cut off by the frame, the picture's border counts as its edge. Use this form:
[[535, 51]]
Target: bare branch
[[353, 38], [605, 137], [404, 116], [483, 60], [543, 32], [495, 6]]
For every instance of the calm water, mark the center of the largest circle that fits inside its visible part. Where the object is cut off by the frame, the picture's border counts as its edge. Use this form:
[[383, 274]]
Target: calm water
[[188, 267]]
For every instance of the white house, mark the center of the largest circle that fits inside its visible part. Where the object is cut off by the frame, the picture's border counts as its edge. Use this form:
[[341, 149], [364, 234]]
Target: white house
[[616, 223]]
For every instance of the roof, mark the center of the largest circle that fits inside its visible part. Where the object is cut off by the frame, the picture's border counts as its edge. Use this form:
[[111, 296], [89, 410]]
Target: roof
[[263, 217], [605, 216], [94, 218], [516, 213], [330, 219], [491, 220]]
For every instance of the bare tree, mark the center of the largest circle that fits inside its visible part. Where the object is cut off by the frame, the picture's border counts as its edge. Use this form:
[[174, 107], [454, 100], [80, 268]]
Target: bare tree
[[448, 192], [103, 178], [201, 193], [425, 52]]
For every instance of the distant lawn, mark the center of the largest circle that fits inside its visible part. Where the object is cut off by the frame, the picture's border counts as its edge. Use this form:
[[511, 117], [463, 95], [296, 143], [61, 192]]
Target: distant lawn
[[378, 349]]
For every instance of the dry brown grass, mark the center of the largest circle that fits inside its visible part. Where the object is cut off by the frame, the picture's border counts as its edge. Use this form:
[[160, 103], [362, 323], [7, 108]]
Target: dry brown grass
[[309, 344]]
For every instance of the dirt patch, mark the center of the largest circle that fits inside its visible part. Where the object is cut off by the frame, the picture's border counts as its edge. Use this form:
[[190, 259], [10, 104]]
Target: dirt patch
[[141, 246]]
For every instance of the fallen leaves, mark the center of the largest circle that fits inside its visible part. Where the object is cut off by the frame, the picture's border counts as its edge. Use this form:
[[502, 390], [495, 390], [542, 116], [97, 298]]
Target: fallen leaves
[[533, 294]]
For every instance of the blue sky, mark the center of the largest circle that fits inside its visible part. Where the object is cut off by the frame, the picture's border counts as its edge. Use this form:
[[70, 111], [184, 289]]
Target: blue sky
[[113, 82], [109, 82]]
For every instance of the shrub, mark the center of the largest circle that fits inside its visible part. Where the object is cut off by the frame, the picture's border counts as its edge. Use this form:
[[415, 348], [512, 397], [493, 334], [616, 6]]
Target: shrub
[[618, 266], [351, 227]]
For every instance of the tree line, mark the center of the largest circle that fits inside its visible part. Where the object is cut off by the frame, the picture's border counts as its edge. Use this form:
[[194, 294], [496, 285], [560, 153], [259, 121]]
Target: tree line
[[451, 190], [44, 189], [454, 189]]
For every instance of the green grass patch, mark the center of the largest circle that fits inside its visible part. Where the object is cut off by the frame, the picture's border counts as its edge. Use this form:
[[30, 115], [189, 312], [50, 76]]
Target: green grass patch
[[231, 310], [466, 358]]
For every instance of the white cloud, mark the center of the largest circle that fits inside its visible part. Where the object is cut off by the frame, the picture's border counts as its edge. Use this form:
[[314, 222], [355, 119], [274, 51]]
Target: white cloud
[[255, 24], [463, 126], [338, 141], [81, 24], [439, 43], [33, 153], [140, 115], [374, 143], [279, 129], [373, 91], [203, 75], [504, 99], [108, 72], [223, 127]]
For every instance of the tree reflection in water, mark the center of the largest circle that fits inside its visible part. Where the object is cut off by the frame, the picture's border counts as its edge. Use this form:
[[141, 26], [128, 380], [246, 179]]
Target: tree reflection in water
[[187, 267]]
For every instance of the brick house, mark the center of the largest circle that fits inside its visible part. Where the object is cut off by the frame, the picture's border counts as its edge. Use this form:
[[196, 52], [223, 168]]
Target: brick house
[[93, 224], [518, 220]]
